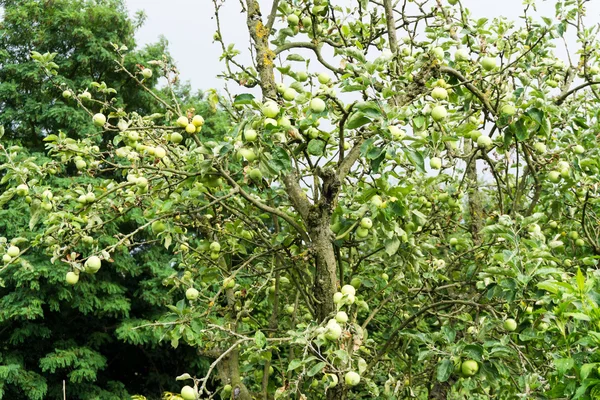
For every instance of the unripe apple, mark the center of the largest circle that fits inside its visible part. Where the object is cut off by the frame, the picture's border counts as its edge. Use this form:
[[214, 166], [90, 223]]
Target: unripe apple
[[385, 277], [198, 121], [554, 176], [188, 393], [352, 378], [80, 164], [461, 55], [439, 93], [141, 182], [269, 121], [573, 235], [341, 317], [190, 128], [508, 109], [317, 105], [192, 294], [301, 76], [229, 283], [510, 325], [438, 52], [488, 63], [85, 96], [6, 258], [348, 289], [72, 278], [334, 331], [22, 190], [90, 197], [453, 241], [250, 135], [366, 223], [397, 133], [376, 200], [176, 137], [67, 94], [453, 2], [270, 109], [215, 247], [160, 152], [147, 73], [484, 141], [183, 121], [13, 251], [289, 309], [99, 119], [306, 22], [255, 174], [469, 367], [158, 227], [290, 94], [284, 122], [439, 113], [540, 148], [323, 78], [435, 163], [579, 149], [293, 19], [580, 242], [248, 154], [362, 232], [337, 297], [92, 265]]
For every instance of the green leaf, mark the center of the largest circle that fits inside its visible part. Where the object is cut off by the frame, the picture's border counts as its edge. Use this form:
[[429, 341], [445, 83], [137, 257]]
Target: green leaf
[[295, 57], [564, 364], [316, 369], [294, 364], [586, 369], [444, 370], [392, 246], [260, 339], [245, 98], [416, 158], [357, 120]]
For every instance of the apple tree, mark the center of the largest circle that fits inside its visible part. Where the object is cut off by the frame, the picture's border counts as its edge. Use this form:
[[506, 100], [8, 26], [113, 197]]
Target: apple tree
[[405, 205]]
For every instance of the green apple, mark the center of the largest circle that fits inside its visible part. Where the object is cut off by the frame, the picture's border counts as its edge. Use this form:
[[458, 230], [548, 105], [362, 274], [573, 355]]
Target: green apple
[[385, 276], [469, 367], [461, 55], [540, 148], [290, 94], [453, 2], [352, 378], [334, 331], [439, 113], [13, 251], [317, 105], [229, 283], [22, 190], [190, 128], [90, 197], [147, 73], [323, 78], [289, 309], [474, 135], [192, 294], [188, 393], [92, 265], [293, 19], [376, 201], [356, 282], [362, 232], [301, 76], [176, 137], [348, 289], [579, 149], [573, 235], [508, 109], [453, 241], [488, 63], [439, 93], [250, 135], [248, 154], [438, 52], [255, 174], [270, 109], [6, 258], [72, 278], [397, 133], [484, 141], [554, 176], [284, 122], [158, 227], [183, 121], [435, 163], [269, 121], [510, 325], [215, 247], [337, 297], [341, 317], [366, 223], [99, 119], [85, 96], [67, 94], [198, 121], [306, 22], [159, 152]]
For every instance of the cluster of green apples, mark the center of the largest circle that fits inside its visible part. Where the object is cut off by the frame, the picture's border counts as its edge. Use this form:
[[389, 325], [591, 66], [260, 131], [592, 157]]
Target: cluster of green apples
[[11, 253], [91, 266]]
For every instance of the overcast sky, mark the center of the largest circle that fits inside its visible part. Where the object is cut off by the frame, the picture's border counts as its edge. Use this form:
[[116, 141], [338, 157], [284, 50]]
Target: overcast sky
[[189, 26]]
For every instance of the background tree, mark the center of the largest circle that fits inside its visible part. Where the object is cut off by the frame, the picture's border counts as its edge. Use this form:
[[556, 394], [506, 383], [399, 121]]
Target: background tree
[[418, 221], [51, 334]]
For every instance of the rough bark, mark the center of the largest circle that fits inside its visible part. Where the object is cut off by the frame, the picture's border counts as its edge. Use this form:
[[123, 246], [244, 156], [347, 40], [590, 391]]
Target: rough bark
[[475, 202]]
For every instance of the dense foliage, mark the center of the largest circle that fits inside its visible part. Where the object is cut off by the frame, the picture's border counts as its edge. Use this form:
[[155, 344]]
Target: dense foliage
[[51, 334], [419, 221]]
